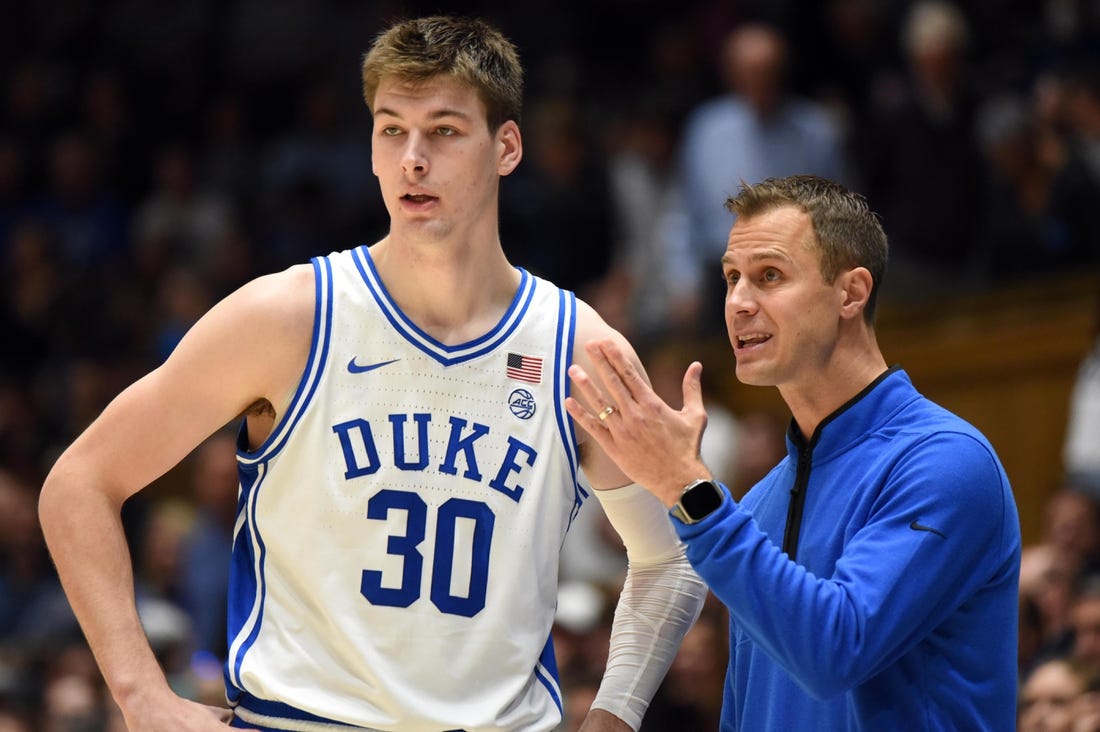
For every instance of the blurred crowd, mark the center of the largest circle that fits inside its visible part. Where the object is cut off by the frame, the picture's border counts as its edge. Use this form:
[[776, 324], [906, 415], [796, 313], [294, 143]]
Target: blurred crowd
[[155, 156]]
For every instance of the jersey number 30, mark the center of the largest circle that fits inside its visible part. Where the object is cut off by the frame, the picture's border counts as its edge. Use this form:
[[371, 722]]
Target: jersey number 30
[[407, 546]]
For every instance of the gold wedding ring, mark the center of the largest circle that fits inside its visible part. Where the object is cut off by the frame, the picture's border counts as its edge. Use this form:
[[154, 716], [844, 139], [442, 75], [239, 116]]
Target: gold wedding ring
[[607, 412]]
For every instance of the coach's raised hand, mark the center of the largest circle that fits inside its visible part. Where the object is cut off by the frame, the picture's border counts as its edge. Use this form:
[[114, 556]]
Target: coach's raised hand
[[654, 444]]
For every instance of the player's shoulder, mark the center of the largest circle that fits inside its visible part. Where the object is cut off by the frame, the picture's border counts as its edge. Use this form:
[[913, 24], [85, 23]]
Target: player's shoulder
[[290, 288], [274, 305], [591, 325]]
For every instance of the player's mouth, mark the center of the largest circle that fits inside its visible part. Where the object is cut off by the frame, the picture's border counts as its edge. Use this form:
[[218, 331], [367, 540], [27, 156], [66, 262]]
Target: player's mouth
[[417, 201]]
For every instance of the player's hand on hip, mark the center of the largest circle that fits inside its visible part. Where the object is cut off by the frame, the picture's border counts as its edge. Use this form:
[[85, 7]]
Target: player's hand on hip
[[654, 444], [171, 713]]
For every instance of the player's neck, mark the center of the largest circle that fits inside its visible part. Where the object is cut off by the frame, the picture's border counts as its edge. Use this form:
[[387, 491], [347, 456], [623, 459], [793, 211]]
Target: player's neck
[[453, 291]]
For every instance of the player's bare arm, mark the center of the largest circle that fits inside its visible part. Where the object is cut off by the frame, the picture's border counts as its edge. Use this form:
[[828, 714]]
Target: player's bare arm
[[246, 353], [598, 466]]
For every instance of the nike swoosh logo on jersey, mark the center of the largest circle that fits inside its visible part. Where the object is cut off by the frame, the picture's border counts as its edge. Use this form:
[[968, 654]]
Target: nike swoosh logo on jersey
[[921, 527], [355, 368]]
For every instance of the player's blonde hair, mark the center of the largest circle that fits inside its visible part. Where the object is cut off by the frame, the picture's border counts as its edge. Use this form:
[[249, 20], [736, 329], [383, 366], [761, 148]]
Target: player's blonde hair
[[466, 49]]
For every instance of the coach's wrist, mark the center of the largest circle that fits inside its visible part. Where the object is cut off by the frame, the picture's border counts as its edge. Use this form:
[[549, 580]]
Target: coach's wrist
[[670, 489]]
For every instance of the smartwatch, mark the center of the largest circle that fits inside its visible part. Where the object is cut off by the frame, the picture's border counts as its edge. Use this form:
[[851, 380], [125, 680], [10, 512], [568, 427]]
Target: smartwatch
[[698, 500]]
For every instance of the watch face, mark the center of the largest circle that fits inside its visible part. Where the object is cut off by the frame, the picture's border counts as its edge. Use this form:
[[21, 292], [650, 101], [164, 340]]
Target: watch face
[[701, 500]]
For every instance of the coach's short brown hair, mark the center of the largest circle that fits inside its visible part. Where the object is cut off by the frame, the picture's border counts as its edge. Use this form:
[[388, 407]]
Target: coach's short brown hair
[[848, 233]]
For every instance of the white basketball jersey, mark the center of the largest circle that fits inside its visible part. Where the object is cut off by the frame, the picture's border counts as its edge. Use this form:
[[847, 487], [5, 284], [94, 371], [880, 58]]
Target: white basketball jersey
[[396, 552]]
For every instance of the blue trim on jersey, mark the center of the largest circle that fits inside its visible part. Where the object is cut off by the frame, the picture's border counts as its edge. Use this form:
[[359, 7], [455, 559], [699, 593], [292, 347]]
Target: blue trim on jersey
[[563, 349], [257, 552], [547, 673], [244, 582], [277, 712], [444, 354], [244, 627]]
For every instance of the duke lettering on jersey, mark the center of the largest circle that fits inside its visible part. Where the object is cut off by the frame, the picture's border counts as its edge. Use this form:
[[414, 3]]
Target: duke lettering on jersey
[[361, 455]]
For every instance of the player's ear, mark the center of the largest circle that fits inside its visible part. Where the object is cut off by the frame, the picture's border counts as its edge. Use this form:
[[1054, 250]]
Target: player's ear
[[510, 144]]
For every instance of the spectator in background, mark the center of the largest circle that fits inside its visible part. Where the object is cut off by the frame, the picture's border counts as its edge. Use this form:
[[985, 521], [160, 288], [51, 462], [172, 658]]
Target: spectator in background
[[209, 541], [1050, 569], [182, 221], [182, 298], [1071, 535], [33, 285], [556, 210], [30, 112], [88, 221], [11, 721], [640, 145], [229, 158], [1054, 698], [1082, 111], [1038, 216], [920, 163], [27, 581], [1085, 621], [325, 150], [108, 118], [13, 172], [757, 130], [1082, 442]]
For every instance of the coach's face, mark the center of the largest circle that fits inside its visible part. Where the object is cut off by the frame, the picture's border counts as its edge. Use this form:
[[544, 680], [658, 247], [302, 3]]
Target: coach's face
[[438, 164], [781, 314]]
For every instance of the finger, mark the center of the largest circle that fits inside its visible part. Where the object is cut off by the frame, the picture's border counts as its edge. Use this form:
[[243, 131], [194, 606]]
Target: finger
[[593, 398], [693, 387], [584, 418], [611, 367]]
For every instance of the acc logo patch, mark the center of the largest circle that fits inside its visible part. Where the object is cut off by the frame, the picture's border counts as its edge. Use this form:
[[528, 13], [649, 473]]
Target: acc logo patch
[[522, 403]]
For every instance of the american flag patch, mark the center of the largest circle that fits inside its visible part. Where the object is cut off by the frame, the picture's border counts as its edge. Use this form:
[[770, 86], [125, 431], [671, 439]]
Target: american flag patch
[[524, 368]]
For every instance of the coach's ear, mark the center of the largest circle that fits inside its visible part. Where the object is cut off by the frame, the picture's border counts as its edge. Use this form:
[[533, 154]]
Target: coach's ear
[[854, 289], [510, 144]]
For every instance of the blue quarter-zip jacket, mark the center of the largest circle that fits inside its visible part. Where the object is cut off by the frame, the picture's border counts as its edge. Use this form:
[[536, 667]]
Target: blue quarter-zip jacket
[[897, 608]]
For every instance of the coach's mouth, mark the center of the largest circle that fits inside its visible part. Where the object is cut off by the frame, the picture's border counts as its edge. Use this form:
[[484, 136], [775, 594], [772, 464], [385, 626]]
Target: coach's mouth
[[749, 340]]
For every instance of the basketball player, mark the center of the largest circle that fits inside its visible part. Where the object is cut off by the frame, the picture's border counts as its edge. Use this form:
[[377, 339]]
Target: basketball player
[[871, 576], [408, 470]]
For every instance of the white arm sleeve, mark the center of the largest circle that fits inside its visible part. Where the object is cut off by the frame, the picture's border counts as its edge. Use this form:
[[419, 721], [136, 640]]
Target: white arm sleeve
[[661, 599]]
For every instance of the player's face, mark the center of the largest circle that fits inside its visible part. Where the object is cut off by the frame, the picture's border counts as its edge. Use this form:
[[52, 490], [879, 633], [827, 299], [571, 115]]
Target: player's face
[[782, 316], [437, 163]]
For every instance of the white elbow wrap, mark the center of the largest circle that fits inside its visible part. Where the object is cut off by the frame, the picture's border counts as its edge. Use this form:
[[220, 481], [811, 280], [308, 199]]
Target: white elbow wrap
[[661, 599]]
